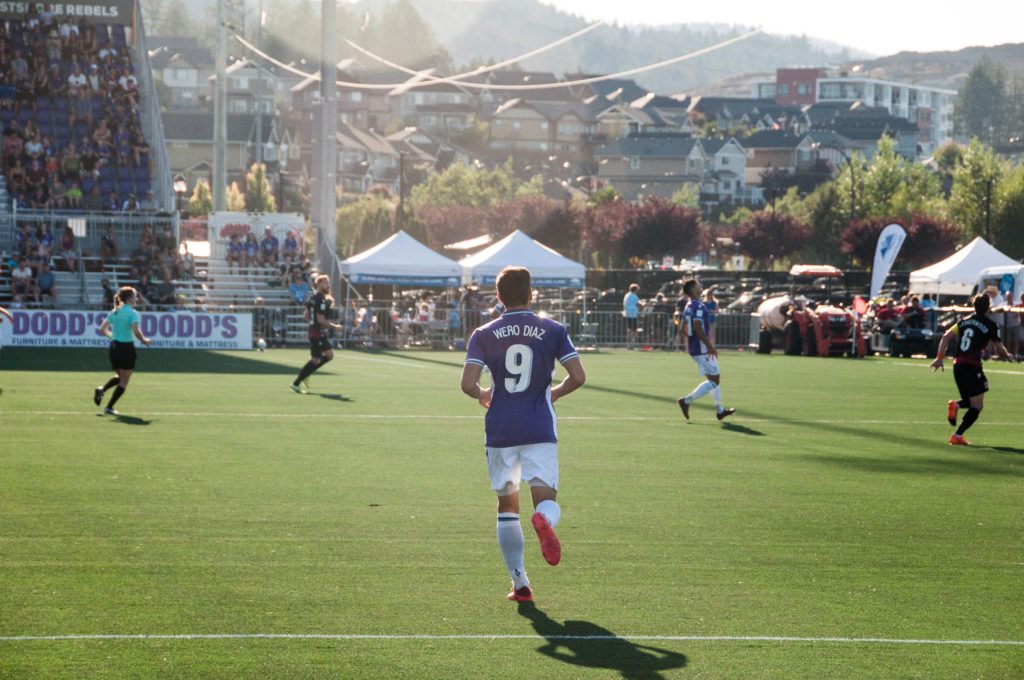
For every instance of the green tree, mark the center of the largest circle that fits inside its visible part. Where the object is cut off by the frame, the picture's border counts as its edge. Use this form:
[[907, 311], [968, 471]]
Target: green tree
[[981, 104], [975, 186], [826, 212], [258, 196], [459, 185], [893, 187], [201, 202], [235, 198], [173, 19], [401, 36], [688, 196], [1008, 214]]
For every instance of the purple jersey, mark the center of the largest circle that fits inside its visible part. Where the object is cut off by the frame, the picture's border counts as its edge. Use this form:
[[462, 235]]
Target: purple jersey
[[520, 350], [696, 311]]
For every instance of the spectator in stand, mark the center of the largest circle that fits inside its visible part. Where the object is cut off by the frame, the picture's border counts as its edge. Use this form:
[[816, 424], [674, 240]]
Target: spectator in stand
[[57, 192], [148, 203], [94, 80], [44, 240], [23, 285], [131, 204], [103, 153], [140, 148], [74, 195], [35, 173], [38, 200], [186, 262], [141, 260], [252, 250], [26, 240], [290, 250], [46, 283], [235, 252], [16, 177], [102, 133], [164, 293], [93, 201], [69, 249], [55, 83], [108, 294], [145, 287], [79, 111], [268, 248], [113, 203], [298, 289], [78, 84]]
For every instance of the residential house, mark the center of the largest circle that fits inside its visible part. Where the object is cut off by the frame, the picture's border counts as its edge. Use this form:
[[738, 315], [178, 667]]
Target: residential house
[[650, 113], [183, 66], [530, 127], [189, 136], [252, 87], [930, 109], [441, 107]]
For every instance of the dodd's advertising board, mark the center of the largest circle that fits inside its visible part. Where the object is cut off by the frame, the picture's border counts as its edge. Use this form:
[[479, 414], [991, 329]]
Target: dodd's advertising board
[[179, 330]]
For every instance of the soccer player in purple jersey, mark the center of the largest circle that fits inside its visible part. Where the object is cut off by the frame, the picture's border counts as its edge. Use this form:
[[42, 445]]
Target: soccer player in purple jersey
[[702, 351], [520, 350]]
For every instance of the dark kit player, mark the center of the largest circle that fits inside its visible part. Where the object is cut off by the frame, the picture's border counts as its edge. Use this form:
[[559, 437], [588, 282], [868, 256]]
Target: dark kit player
[[317, 307], [972, 335]]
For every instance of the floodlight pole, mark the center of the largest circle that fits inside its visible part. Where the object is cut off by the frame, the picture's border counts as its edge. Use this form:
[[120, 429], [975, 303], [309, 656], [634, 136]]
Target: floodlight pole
[[220, 115]]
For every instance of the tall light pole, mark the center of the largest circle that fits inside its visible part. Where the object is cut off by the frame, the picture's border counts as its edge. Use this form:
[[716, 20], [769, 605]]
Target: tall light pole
[[220, 111], [259, 86]]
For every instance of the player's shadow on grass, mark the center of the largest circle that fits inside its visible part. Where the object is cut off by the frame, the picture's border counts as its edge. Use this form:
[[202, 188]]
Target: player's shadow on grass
[[586, 644], [1004, 449], [127, 420], [334, 397], [948, 464], [740, 429]]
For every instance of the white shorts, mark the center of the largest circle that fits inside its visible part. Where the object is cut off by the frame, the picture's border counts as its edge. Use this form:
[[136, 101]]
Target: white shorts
[[706, 365], [532, 463]]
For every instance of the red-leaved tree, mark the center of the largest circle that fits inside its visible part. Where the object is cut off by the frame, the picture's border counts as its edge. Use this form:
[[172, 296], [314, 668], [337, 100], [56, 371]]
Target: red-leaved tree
[[767, 236]]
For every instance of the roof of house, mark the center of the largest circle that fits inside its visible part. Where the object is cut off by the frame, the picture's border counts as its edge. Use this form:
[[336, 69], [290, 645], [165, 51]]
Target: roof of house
[[197, 126], [649, 145]]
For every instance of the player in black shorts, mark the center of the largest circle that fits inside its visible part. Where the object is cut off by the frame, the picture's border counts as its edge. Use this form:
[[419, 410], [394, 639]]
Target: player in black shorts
[[317, 307], [972, 335]]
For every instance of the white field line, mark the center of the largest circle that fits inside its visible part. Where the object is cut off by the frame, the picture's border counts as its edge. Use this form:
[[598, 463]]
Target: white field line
[[645, 638], [436, 416], [987, 370]]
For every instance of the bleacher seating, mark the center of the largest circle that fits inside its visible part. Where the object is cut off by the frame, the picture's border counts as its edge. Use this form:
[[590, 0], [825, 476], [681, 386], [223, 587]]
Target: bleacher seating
[[35, 114]]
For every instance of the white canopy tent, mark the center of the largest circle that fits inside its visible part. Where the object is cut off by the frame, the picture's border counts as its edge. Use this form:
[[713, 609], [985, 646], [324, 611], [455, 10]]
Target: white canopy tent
[[547, 268], [957, 274], [402, 260]]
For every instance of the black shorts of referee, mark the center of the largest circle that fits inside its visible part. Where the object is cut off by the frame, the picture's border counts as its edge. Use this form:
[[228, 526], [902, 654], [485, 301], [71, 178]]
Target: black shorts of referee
[[122, 356]]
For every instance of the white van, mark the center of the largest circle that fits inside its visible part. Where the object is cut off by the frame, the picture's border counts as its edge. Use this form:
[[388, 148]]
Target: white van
[[1008, 278]]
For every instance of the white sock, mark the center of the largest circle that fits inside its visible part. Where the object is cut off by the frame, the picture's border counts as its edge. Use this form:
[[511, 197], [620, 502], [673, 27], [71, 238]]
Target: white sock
[[700, 391], [511, 542], [716, 394], [551, 510]]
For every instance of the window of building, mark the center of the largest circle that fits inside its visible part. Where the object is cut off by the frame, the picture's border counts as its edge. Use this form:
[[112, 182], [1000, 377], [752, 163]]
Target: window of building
[[784, 89], [725, 160], [237, 106], [802, 89], [180, 73], [634, 163], [356, 96], [240, 83]]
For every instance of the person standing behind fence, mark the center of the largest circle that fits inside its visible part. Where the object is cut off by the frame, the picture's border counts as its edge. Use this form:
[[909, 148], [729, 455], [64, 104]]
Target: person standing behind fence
[[122, 327], [317, 308], [631, 311], [711, 302], [703, 352]]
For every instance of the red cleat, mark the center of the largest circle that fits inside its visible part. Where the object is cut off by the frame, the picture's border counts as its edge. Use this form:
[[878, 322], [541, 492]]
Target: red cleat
[[684, 407], [951, 409], [523, 594], [958, 440], [549, 545]]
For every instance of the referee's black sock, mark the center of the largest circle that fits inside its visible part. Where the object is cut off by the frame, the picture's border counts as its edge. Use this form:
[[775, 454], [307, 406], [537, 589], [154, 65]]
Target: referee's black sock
[[118, 391], [110, 383], [969, 418], [963, 403], [324, 360], [307, 370]]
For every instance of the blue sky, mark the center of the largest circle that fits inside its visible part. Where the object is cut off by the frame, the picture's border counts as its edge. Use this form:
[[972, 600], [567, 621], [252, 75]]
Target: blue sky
[[876, 26]]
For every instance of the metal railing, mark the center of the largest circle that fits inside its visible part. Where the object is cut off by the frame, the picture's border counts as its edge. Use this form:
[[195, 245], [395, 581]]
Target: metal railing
[[149, 112]]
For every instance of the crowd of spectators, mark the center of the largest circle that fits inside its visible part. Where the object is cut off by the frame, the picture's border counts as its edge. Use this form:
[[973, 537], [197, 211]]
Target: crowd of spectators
[[68, 106]]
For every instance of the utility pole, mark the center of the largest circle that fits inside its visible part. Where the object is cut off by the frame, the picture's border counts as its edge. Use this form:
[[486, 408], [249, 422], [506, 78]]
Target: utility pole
[[220, 119], [259, 86], [401, 190], [324, 201]]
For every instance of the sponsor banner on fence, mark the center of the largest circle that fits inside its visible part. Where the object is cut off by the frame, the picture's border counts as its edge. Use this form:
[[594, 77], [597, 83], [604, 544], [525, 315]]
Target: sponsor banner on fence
[[178, 330], [223, 225], [102, 11]]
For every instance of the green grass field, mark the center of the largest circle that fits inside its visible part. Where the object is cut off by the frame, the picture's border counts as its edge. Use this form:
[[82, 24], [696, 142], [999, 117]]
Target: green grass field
[[224, 527]]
